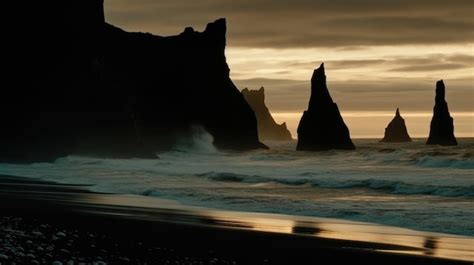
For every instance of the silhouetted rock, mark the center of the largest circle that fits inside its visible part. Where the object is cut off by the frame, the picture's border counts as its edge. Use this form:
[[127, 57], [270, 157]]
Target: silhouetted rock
[[322, 127], [77, 85], [396, 131], [268, 129], [442, 128]]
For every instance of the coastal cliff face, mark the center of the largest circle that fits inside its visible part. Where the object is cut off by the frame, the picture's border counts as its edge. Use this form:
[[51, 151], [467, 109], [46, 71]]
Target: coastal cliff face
[[82, 86], [268, 129], [442, 127], [322, 127], [396, 131]]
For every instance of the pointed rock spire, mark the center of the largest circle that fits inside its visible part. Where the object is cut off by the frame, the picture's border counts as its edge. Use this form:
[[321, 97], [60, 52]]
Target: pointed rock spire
[[319, 91], [396, 130], [322, 127], [442, 126], [440, 92]]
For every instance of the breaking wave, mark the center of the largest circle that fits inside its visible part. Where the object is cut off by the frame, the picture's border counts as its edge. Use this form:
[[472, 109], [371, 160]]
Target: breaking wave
[[199, 142], [428, 161], [394, 187]]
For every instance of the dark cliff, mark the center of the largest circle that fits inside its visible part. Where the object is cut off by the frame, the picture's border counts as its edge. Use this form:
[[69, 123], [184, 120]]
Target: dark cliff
[[396, 131], [82, 86], [268, 129], [442, 127], [322, 127]]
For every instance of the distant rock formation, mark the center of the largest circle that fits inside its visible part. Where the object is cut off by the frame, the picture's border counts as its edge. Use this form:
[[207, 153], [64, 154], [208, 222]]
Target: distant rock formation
[[442, 128], [396, 131], [268, 129], [322, 127], [77, 85]]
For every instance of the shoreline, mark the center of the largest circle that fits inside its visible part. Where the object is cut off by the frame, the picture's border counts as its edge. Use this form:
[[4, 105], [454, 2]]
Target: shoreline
[[243, 237]]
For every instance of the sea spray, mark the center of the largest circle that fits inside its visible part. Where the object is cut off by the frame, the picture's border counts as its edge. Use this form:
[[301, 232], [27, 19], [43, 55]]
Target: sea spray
[[198, 141]]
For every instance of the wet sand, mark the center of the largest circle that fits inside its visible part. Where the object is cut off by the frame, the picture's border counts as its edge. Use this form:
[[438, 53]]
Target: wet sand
[[54, 222]]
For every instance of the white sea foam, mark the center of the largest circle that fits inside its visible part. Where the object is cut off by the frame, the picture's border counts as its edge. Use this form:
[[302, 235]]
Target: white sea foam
[[200, 142]]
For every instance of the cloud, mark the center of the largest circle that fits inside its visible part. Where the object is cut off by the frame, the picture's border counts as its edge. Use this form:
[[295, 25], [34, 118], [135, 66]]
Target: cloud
[[306, 23], [430, 67], [340, 64], [437, 62], [362, 95], [422, 63]]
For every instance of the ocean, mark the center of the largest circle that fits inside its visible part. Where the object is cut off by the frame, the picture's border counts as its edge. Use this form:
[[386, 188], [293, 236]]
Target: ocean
[[428, 188]]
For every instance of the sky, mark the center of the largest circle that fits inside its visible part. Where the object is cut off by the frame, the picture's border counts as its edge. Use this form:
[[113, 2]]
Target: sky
[[378, 54]]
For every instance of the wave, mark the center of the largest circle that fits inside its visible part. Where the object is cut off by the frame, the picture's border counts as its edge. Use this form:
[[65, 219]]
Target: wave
[[199, 142], [233, 177], [431, 162], [399, 187], [427, 159], [391, 186]]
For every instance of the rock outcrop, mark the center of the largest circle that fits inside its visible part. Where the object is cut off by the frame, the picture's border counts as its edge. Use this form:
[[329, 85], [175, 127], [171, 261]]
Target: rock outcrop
[[77, 85], [442, 127], [268, 129], [396, 131], [322, 127]]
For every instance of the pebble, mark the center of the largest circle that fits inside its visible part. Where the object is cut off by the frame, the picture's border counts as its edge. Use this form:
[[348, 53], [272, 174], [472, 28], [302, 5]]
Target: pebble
[[3, 257], [37, 233], [57, 263], [60, 234]]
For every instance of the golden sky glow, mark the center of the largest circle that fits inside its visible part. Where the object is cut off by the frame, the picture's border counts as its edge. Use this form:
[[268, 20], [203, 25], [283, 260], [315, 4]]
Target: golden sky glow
[[368, 63], [367, 83]]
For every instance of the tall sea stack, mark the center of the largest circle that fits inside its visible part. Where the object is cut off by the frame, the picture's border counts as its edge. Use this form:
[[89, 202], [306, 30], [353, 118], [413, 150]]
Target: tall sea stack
[[396, 131], [322, 127], [74, 84], [442, 128], [268, 129]]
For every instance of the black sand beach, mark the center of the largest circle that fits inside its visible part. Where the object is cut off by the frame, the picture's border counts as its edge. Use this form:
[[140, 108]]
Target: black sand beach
[[48, 223]]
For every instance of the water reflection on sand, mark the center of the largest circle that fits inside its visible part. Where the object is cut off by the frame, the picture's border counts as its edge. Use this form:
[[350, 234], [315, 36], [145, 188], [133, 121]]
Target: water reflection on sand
[[347, 234]]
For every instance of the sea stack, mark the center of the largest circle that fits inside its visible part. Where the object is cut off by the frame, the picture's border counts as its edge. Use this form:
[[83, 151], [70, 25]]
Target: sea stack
[[396, 131], [442, 128], [322, 127], [268, 129], [89, 88]]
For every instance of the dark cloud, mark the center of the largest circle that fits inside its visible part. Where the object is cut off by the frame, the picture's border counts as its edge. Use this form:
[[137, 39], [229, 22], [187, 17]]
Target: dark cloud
[[306, 23]]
